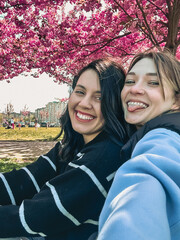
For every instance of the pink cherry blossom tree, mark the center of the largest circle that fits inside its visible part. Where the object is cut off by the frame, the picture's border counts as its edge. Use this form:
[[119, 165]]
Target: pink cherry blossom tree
[[25, 111], [44, 35]]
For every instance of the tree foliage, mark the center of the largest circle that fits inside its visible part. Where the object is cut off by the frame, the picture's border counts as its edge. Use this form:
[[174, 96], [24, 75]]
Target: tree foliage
[[9, 109], [25, 111], [43, 35]]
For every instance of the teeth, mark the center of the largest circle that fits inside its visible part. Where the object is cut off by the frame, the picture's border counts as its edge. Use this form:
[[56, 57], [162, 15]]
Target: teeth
[[137, 104], [85, 117]]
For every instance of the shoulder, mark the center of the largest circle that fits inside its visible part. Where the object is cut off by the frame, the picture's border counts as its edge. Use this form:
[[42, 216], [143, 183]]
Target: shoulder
[[169, 121], [56, 148], [160, 141], [103, 144], [161, 133], [103, 152], [53, 154]]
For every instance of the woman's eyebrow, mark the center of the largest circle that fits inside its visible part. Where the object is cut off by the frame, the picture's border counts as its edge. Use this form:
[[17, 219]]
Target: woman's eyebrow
[[151, 74], [130, 73], [81, 86], [148, 74], [99, 92]]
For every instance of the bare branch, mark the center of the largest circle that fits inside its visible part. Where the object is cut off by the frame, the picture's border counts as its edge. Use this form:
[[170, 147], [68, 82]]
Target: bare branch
[[155, 42], [158, 8], [108, 42]]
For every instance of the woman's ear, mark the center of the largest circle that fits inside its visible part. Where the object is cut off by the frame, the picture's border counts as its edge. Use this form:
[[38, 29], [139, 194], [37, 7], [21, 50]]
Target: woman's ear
[[176, 105]]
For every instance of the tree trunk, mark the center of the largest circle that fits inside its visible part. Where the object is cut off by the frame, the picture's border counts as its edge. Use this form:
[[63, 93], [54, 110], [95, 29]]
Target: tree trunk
[[174, 17]]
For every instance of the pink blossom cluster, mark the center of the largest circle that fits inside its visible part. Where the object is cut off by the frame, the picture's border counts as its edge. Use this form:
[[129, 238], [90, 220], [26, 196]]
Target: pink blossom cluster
[[43, 35], [64, 99]]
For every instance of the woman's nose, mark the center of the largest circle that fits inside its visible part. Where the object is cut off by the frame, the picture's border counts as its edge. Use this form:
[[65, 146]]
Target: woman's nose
[[137, 89], [86, 102]]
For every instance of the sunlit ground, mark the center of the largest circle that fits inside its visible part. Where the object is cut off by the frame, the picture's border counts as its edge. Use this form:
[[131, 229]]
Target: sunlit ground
[[29, 134], [8, 164], [25, 134]]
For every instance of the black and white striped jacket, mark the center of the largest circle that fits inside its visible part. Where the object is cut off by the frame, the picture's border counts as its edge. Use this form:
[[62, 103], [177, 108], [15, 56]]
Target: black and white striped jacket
[[58, 200]]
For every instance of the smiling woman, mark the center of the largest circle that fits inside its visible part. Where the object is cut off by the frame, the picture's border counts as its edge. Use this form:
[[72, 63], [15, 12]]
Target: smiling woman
[[144, 96], [85, 106], [144, 200], [60, 196]]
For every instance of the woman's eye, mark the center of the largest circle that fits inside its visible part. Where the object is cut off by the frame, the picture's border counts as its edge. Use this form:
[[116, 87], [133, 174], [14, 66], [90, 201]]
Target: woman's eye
[[98, 98], [79, 92], [154, 83], [129, 81]]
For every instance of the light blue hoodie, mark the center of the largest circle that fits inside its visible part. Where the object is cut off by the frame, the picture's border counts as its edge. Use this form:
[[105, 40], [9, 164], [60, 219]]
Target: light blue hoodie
[[144, 200]]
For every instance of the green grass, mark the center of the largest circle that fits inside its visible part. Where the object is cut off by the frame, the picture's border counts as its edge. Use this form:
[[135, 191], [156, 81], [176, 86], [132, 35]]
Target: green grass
[[8, 164], [25, 134], [29, 134]]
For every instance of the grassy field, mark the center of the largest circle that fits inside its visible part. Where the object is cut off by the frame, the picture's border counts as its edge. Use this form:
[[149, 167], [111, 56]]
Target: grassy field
[[8, 164], [25, 134], [29, 134]]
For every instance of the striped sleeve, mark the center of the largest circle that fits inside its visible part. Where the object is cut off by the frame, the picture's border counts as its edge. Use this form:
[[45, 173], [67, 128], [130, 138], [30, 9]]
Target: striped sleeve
[[71, 199], [72, 203], [17, 185]]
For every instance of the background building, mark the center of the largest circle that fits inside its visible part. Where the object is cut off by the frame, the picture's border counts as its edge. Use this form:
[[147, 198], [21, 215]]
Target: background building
[[51, 112]]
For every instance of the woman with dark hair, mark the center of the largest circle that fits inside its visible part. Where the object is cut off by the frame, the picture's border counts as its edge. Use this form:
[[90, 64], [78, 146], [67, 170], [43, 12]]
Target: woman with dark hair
[[144, 200], [111, 82], [60, 196]]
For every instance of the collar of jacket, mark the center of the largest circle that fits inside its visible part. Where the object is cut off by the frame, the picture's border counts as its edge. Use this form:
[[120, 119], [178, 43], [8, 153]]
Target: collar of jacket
[[168, 120]]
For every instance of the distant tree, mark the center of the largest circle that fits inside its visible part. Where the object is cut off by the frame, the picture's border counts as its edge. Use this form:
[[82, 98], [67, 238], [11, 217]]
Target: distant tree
[[32, 117], [9, 109], [25, 111], [1, 117]]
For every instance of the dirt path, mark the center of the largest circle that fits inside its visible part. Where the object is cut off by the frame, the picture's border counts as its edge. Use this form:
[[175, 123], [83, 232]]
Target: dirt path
[[24, 150]]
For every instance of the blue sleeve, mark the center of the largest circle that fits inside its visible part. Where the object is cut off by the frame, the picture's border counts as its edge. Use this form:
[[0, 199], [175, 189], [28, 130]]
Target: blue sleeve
[[144, 200]]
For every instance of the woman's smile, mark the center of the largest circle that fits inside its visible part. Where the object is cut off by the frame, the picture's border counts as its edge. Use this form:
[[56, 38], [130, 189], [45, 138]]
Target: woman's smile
[[83, 117], [136, 105]]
